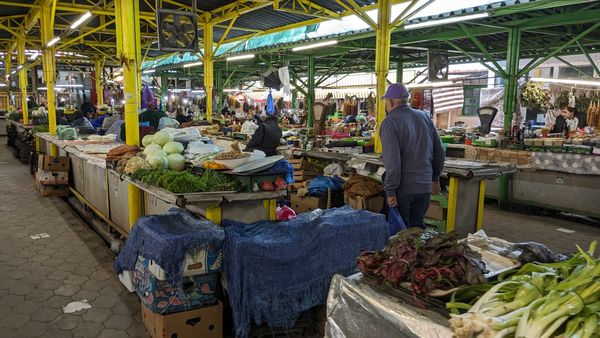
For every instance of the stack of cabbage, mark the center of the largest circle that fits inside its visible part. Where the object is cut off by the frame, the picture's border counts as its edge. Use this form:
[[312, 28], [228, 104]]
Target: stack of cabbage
[[162, 152]]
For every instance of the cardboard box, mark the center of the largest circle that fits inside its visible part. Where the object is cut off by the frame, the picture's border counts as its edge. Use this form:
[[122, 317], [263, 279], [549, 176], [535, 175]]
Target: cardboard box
[[373, 204], [435, 211], [52, 190], [206, 322], [52, 177], [54, 163], [307, 204], [160, 296]]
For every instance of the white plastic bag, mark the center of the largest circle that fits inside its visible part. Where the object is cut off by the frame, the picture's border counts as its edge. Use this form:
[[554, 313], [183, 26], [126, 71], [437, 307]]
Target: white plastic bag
[[199, 147], [249, 128], [188, 134], [167, 122]]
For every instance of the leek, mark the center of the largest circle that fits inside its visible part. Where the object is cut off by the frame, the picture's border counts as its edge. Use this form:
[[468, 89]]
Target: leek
[[538, 300]]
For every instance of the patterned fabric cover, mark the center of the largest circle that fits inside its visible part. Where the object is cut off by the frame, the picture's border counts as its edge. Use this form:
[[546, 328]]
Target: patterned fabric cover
[[568, 163], [161, 297]]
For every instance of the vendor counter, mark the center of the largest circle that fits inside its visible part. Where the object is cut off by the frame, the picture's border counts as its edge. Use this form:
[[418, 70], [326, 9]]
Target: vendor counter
[[558, 181], [461, 210], [106, 192]]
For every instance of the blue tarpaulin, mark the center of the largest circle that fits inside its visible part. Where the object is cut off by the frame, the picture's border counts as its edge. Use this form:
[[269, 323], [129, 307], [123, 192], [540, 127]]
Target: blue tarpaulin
[[277, 270]]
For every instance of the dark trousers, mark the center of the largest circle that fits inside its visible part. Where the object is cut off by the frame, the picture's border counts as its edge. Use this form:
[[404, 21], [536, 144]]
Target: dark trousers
[[412, 208]]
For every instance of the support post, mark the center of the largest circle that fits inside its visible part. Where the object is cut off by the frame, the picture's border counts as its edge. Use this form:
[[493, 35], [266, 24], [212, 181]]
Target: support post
[[128, 23], [22, 76], [400, 71], [219, 90], [310, 88], [7, 71], [99, 73], [510, 99], [49, 62], [208, 66], [163, 91], [382, 61]]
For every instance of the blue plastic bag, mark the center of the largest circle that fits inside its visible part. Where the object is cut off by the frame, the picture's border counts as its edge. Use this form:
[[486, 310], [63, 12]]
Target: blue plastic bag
[[395, 222]]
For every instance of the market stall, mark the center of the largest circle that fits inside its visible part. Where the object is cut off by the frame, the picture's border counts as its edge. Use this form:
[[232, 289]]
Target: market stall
[[461, 210], [105, 190], [525, 290]]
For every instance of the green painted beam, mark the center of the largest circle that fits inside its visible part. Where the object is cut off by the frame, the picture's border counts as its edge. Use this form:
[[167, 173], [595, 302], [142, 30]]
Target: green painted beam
[[311, 92], [587, 55], [579, 70]]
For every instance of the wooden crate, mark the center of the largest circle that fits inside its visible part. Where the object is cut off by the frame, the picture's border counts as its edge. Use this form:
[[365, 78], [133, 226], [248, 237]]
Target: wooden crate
[[305, 175]]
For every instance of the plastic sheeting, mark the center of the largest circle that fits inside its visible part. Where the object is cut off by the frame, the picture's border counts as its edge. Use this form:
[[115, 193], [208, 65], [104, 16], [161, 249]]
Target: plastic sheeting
[[358, 308]]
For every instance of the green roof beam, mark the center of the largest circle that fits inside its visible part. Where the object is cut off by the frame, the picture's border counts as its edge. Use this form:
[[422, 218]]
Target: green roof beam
[[587, 55], [483, 49], [560, 49]]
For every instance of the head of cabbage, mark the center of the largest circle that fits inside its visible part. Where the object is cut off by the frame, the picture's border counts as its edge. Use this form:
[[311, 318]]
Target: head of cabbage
[[173, 148], [161, 138], [176, 162], [157, 161]]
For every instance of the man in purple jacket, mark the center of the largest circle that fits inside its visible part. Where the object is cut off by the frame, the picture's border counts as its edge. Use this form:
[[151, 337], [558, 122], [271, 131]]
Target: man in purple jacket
[[412, 154]]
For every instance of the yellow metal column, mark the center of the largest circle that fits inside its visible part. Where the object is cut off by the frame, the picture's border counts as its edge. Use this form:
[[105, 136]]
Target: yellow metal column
[[480, 205], [99, 69], [382, 61], [452, 202], [129, 51], [22, 76], [208, 65], [7, 71], [49, 62]]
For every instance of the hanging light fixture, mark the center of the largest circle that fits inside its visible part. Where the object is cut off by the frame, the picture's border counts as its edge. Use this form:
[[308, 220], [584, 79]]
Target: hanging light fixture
[[315, 45], [79, 21], [53, 41]]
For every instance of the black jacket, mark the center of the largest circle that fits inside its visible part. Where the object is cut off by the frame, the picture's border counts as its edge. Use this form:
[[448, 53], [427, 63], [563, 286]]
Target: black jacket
[[266, 138]]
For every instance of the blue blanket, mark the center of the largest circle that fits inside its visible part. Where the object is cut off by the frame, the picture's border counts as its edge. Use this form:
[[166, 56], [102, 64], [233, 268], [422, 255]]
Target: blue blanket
[[166, 239], [277, 270]]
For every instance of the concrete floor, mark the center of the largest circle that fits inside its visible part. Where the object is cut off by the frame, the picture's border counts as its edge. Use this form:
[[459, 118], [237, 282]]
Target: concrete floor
[[516, 227], [40, 276]]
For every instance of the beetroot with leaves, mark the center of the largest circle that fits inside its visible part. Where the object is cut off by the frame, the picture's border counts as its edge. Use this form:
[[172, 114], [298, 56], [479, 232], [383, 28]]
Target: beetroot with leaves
[[425, 258]]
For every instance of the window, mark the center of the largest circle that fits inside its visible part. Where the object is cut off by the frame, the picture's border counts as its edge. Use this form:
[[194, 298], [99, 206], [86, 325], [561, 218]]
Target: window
[[472, 96], [572, 73]]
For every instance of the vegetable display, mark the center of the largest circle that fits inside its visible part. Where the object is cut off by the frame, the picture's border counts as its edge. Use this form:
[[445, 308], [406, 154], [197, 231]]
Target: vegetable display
[[161, 138], [66, 133], [426, 259], [538, 300], [180, 182]]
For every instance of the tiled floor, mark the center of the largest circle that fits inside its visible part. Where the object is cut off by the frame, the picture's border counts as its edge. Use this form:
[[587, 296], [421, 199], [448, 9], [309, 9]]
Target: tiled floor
[[38, 277]]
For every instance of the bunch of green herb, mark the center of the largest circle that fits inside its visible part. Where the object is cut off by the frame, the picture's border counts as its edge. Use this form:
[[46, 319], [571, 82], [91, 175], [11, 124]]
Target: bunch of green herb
[[42, 128], [180, 182], [14, 116]]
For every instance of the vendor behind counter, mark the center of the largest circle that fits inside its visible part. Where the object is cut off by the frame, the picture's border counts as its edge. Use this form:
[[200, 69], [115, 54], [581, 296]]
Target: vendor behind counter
[[267, 137]]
